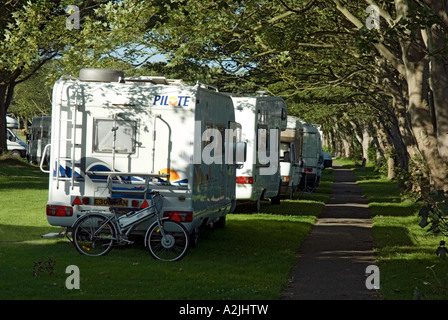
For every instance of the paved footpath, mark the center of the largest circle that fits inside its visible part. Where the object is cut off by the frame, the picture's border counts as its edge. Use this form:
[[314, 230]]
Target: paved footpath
[[333, 259]]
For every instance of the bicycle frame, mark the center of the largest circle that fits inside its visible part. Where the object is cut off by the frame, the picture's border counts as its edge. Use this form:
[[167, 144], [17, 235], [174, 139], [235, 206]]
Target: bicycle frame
[[124, 224], [166, 239]]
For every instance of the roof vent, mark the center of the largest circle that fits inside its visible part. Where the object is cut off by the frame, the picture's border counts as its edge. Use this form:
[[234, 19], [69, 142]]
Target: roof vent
[[101, 75], [262, 93], [154, 80]]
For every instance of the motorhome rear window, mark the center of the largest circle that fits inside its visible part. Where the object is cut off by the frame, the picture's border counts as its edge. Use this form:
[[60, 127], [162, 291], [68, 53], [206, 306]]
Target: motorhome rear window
[[124, 136], [284, 147]]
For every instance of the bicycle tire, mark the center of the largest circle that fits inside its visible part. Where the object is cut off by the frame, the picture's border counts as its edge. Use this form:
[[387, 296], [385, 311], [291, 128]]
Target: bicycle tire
[[86, 238], [174, 247]]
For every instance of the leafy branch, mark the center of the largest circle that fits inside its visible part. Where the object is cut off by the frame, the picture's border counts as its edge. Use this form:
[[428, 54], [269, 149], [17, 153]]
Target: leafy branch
[[435, 215]]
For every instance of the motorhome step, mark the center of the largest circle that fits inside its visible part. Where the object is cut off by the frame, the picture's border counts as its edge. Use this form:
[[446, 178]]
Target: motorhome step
[[56, 235]]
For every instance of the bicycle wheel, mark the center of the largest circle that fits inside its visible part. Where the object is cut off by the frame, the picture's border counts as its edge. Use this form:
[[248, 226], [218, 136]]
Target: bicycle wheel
[[173, 246], [93, 235]]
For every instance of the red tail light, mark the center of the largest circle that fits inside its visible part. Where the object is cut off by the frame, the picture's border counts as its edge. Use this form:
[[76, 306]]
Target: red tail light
[[181, 216], [245, 180], [59, 211], [135, 203], [308, 169]]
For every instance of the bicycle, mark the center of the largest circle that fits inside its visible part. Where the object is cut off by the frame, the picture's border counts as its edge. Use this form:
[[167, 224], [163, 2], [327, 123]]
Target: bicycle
[[95, 233]]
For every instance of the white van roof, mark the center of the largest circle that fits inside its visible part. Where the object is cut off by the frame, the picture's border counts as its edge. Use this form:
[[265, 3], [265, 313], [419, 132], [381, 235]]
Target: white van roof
[[11, 123]]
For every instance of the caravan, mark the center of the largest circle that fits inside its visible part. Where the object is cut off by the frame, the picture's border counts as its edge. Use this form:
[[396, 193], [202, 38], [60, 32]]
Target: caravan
[[38, 138], [291, 143], [262, 118], [312, 157], [117, 137]]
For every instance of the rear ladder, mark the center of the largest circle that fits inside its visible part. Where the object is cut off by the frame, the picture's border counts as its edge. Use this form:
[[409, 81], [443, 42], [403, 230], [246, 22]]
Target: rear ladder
[[71, 111]]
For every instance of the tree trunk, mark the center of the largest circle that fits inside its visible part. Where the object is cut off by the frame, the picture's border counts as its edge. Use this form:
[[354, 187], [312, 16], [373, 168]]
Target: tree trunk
[[366, 140], [417, 72], [3, 95], [439, 83], [6, 95], [390, 168]]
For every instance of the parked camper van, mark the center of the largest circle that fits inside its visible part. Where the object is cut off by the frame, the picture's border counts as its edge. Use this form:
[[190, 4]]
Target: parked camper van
[[123, 137], [15, 146], [38, 138], [328, 159], [291, 143], [263, 118], [312, 157]]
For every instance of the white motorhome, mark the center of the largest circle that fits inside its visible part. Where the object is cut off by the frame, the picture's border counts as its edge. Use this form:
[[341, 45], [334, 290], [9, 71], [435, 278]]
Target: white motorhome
[[38, 138], [123, 137], [291, 143], [263, 118], [312, 157]]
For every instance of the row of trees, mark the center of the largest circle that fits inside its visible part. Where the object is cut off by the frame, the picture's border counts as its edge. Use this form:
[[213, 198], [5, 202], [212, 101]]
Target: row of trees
[[370, 72], [384, 84]]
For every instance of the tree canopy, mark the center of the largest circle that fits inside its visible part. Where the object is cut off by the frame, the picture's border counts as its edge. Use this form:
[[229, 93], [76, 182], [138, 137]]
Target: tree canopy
[[369, 72]]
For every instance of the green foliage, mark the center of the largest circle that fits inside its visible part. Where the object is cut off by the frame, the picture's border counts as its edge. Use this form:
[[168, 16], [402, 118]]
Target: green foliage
[[435, 215], [413, 180], [33, 97], [371, 153]]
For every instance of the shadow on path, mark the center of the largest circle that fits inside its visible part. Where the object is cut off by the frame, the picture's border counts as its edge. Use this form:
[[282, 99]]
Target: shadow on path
[[333, 259]]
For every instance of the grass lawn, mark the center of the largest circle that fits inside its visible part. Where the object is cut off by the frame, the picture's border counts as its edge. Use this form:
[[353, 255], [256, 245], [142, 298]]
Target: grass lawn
[[248, 259], [409, 267]]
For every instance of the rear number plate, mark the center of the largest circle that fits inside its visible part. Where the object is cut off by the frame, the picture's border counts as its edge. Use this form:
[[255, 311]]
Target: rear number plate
[[104, 202]]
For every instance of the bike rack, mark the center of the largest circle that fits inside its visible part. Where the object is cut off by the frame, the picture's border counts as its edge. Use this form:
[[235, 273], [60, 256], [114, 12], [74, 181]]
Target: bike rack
[[132, 188]]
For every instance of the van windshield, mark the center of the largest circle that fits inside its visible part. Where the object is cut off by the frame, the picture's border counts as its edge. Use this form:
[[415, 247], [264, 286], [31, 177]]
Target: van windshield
[[12, 136]]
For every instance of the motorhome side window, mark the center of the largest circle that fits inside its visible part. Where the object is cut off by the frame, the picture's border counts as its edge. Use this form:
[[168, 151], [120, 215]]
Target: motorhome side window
[[124, 136], [262, 139], [46, 133]]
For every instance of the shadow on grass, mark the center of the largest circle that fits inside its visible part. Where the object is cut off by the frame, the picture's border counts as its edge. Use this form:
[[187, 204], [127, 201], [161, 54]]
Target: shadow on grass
[[380, 190], [15, 233], [286, 207], [388, 209], [17, 174], [236, 262], [392, 236]]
